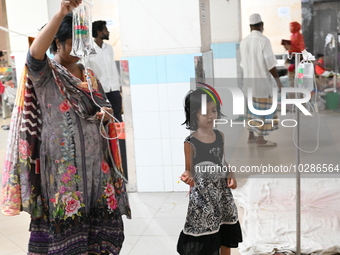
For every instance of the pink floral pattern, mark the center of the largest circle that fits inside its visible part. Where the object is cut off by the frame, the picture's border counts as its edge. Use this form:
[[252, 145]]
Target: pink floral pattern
[[66, 178], [78, 193], [109, 190], [112, 202], [66, 197], [24, 149], [64, 107], [71, 169], [70, 201], [105, 167], [5, 177], [68, 205], [62, 189], [14, 192], [110, 196], [8, 164], [72, 206]]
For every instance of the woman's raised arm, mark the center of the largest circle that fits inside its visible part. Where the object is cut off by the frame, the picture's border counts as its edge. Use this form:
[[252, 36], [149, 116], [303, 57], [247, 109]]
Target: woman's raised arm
[[45, 37]]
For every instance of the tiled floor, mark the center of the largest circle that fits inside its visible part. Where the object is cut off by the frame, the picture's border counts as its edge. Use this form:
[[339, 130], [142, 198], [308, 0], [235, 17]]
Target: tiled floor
[[159, 217]]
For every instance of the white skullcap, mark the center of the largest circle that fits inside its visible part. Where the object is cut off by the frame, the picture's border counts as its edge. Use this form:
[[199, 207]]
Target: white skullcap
[[254, 19]]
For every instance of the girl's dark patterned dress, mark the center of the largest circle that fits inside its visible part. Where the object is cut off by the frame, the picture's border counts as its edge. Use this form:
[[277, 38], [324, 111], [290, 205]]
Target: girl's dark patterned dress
[[212, 218]]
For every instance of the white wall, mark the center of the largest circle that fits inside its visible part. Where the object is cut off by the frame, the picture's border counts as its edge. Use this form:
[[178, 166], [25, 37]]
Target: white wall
[[225, 21], [53, 7], [159, 27], [25, 17]]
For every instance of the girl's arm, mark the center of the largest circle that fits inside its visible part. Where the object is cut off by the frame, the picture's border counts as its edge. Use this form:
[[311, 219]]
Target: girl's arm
[[232, 183], [45, 37], [231, 180], [187, 175]]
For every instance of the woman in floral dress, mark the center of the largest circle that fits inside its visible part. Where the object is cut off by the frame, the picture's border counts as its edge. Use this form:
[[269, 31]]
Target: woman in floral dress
[[58, 166]]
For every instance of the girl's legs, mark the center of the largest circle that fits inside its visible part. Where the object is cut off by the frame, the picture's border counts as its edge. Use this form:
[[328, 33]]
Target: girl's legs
[[225, 250]]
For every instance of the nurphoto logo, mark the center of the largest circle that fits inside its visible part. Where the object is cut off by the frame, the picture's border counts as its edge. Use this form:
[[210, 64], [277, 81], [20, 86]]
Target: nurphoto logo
[[238, 105]]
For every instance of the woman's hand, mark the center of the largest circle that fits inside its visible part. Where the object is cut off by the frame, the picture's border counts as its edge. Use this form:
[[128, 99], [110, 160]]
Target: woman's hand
[[104, 111], [185, 177], [46, 36], [68, 5]]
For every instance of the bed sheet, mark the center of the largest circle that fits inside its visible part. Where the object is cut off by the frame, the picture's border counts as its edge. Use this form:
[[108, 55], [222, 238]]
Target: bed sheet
[[269, 221]]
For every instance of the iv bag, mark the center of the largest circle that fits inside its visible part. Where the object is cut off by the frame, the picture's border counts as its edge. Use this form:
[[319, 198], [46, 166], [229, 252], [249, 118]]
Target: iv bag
[[304, 76], [82, 42]]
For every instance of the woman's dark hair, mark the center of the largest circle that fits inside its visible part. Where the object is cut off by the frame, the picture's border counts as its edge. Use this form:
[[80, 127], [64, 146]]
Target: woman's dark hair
[[97, 26], [64, 32], [193, 103]]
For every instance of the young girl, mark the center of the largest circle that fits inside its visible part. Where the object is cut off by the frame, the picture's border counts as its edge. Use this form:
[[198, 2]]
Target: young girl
[[211, 226]]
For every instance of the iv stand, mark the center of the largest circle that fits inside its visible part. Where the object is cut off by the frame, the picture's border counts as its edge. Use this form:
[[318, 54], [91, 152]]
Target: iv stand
[[298, 178]]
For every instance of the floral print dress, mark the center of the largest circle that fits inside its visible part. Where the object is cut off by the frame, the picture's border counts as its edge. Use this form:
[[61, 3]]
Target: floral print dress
[[80, 196]]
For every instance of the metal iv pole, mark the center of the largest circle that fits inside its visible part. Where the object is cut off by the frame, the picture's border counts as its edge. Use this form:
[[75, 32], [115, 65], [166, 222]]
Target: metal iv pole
[[298, 178]]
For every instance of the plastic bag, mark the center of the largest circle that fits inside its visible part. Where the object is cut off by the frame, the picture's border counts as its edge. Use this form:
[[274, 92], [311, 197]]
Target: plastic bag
[[305, 72], [305, 75], [82, 42]]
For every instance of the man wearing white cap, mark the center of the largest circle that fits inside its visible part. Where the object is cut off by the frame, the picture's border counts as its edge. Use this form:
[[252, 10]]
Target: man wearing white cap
[[258, 62]]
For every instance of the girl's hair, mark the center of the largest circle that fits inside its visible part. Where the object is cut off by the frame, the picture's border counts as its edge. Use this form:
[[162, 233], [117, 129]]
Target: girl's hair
[[193, 103], [64, 32]]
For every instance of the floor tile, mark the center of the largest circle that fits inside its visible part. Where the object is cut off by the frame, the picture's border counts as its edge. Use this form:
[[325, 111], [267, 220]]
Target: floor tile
[[155, 245], [129, 243], [8, 247], [136, 226], [165, 227]]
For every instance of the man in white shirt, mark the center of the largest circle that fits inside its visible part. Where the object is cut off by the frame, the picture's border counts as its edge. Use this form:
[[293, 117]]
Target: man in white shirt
[[258, 62], [104, 66]]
